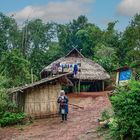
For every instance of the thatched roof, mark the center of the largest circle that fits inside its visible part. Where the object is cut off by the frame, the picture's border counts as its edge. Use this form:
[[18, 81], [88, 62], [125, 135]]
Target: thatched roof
[[62, 78], [89, 69]]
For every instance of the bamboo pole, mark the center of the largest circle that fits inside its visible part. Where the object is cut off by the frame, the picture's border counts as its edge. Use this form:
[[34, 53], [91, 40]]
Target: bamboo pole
[[76, 106]]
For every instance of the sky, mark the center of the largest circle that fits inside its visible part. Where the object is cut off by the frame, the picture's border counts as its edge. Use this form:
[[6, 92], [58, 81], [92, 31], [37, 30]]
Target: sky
[[99, 12]]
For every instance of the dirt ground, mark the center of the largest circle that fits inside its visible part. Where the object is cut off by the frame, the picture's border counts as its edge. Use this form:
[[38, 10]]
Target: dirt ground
[[81, 125]]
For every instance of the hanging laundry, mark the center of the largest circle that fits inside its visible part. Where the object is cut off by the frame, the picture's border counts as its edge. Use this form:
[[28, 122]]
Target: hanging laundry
[[54, 68], [58, 64], [75, 70]]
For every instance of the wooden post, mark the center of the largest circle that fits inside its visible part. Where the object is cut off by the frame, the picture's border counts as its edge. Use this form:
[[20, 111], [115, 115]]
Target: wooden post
[[75, 86], [117, 79], [103, 85], [79, 83], [79, 86]]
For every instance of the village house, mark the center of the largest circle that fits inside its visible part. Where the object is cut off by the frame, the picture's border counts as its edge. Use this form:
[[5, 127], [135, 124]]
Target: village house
[[126, 73], [123, 75], [39, 99], [90, 76]]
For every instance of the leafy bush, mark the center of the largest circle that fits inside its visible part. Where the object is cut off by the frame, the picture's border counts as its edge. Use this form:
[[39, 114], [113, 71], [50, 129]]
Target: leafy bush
[[126, 105], [9, 118], [106, 115], [8, 110]]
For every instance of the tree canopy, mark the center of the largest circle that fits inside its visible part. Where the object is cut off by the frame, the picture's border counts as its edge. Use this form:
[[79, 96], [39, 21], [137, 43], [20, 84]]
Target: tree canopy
[[28, 49]]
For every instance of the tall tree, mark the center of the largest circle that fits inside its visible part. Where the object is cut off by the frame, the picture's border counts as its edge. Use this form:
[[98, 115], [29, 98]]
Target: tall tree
[[131, 37], [105, 56], [37, 38], [9, 34], [67, 33], [15, 67], [88, 38]]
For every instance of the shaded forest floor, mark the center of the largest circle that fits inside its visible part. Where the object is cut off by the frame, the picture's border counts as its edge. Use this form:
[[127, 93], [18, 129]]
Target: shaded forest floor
[[81, 125]]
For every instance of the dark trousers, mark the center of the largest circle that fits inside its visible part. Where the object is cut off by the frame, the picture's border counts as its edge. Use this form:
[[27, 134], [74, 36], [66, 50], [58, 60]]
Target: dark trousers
[[64, 117]]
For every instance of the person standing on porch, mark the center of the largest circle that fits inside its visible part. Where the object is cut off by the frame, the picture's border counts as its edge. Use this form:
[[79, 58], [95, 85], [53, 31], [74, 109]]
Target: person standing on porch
[[63, 101]]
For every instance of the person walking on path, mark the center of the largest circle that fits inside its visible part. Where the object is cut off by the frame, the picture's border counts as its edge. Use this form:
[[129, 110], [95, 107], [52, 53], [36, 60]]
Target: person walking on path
[[63, 101]]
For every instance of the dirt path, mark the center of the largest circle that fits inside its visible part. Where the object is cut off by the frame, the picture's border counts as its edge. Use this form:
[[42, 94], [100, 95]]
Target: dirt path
[[81, 124]]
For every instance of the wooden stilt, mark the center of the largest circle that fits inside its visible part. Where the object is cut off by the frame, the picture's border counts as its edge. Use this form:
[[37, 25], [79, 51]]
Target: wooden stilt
[[103, 85], [74, 86], [79, 86]]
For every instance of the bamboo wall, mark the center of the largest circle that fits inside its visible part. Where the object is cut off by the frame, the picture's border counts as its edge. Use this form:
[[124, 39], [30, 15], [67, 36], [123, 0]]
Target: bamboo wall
[[42, 100]]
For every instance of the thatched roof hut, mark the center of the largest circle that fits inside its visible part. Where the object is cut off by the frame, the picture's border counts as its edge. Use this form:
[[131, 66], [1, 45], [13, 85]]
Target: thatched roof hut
[[89, 77], [89, 70]]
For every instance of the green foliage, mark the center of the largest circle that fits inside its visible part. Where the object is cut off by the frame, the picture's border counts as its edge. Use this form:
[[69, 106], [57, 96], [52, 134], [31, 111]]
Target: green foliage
[[9, 118], [129, 48], [106, 115], [8, 110], [126, 105], [36, 36], [105, 56], [111, 36], [3, 95], [36, 44], [9, 34], [15, 67], [75, 34], [88, 38]]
